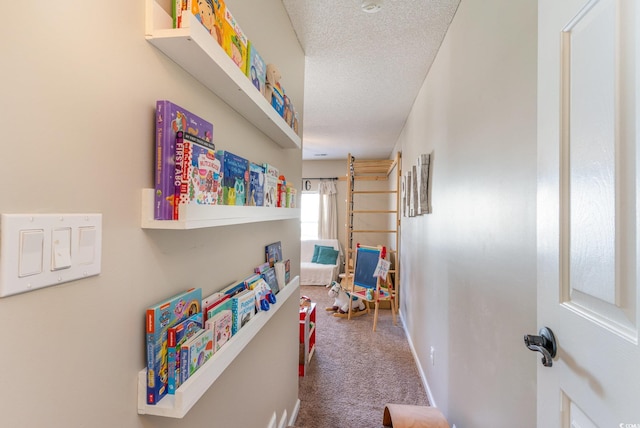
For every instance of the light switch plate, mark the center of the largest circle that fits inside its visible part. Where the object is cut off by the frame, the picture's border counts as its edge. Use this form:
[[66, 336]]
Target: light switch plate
[[62, 261]]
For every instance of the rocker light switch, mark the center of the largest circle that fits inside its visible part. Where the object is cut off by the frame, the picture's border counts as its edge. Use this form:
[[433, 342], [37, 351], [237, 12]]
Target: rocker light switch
[[30, 253], [86, 245]]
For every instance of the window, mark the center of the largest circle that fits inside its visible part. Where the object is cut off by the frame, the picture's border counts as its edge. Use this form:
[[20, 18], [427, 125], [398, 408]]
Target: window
[[309, 215]]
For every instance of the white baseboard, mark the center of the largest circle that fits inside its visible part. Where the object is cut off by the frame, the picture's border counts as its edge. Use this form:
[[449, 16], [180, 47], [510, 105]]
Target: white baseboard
[[272, 421], [423, 377], [283, 420], [294, 414]]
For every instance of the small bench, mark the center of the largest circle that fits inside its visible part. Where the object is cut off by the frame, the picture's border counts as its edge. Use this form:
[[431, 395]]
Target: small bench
[[317, 273]]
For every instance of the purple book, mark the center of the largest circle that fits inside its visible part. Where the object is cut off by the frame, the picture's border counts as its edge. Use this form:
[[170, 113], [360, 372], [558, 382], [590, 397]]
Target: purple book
[[171, 118]]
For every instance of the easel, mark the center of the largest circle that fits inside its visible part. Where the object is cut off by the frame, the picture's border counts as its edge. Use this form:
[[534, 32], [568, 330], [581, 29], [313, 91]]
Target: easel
[[370, 287]]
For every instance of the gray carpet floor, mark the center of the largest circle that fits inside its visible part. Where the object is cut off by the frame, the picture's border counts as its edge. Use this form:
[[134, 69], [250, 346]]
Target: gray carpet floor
[[355, 371]]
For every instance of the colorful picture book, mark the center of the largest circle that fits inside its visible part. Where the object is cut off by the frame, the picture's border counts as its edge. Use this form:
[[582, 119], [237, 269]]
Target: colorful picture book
[[222, 305], [273, 253], [281, 201], [234, 288], [283, 272], [270, 278], [288, 113], [271, 175], [256, 68], [292, 197], [159, 318], [287, 271], [176, 336], [280, 274], [221, 326], [197, 172], [235, 178], [234, 42], [195, 352], [210, 300], [256, 185], [171, 118], [250, 281], [243, 307], [209, 13], [211, 304], [263, 267], [277, 100]]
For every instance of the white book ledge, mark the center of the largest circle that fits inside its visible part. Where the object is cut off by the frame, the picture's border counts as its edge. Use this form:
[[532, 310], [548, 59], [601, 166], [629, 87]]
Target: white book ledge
[[195, 216], [185, 397], [200, 55]]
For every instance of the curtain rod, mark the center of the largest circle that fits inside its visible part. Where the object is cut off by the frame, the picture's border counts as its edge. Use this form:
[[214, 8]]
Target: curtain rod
[[320, 178]]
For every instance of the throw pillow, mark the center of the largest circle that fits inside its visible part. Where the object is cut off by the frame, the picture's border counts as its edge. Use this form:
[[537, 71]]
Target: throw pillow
[[327, 256], [316, 251]]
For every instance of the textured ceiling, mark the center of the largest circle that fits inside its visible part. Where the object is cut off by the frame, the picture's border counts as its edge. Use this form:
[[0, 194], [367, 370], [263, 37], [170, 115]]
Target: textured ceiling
[[363, 71]]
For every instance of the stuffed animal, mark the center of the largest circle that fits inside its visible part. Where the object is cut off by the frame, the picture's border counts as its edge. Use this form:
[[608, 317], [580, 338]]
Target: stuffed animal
[[343, 299], [271, 80]]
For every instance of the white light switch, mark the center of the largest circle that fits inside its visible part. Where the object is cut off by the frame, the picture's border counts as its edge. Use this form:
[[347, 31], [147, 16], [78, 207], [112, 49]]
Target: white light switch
[[61, 248], [39, 250], [30, 253], [86, 245]]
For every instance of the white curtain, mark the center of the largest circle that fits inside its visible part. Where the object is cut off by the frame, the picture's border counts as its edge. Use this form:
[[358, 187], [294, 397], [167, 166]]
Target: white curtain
[[328, 210]]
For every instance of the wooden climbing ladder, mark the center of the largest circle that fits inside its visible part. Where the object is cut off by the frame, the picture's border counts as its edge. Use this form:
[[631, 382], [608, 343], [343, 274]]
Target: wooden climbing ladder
[[374, 210]]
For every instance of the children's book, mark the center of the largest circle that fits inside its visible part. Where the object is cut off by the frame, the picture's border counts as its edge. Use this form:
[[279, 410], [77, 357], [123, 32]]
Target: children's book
[[235, 178], [283, 272], [243, 307], [159, 318], [256, 185], [288, 113], [209, 13], [287, 271], [222, 305], [220, 324], [250, 281], [292, 199], [273, 253], [171, 118], [256, 68], [271, 175], [178, 8], [176, 336], [270, 278], [197, 175], [281, 199], [210, 300], [213, 303], [296, 122], [280, 268], [277, 100], [260, 269], [195, 352], [234, 42], [234, 288]]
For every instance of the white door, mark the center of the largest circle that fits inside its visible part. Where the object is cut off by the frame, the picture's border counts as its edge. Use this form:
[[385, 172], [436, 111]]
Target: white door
[[589, 212]]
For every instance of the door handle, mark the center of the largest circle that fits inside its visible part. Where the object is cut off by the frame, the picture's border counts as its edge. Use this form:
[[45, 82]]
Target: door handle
[[545, 343]]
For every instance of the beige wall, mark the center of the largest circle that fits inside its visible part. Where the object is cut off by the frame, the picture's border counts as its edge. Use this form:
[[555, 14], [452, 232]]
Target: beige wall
[[79, 84], [469, 281]]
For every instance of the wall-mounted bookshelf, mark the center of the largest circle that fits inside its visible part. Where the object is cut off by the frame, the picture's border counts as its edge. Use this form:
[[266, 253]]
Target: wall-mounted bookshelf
[[199, 54], [188, 394], [201, 216]]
